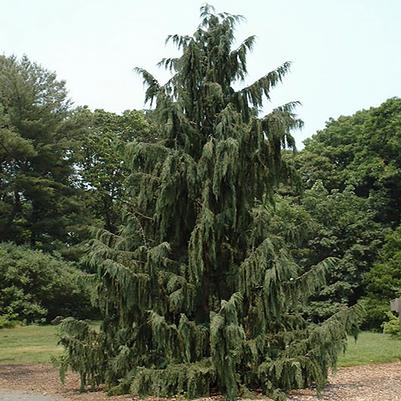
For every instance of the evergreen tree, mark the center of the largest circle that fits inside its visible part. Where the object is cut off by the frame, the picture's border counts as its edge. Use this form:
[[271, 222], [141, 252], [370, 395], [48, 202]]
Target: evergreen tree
[[196, 295], [38, 203]]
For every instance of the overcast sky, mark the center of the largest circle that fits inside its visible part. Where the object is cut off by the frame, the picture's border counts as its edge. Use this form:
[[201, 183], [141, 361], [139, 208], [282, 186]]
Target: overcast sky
[[346, 54]]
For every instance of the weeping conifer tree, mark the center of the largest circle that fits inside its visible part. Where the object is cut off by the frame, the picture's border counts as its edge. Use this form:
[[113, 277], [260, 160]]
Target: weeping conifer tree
[[197, 296]]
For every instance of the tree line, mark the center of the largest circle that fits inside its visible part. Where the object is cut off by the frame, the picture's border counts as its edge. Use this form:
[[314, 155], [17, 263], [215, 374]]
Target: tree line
[[219, 257], [62, 175]]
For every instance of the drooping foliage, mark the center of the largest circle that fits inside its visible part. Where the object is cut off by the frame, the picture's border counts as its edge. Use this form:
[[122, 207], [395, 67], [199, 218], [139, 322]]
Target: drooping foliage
[[196, 293]]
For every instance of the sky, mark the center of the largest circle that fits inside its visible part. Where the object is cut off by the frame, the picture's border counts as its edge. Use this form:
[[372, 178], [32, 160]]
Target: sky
[[345, 54]]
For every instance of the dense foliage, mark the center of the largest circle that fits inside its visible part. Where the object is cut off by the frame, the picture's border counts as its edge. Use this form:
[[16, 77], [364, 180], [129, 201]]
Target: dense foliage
[[38, 203], [55, 159], [195, 292], [383, 282], [36, 287], [101, 160], [363, 150], [321, 223], [61, 172]]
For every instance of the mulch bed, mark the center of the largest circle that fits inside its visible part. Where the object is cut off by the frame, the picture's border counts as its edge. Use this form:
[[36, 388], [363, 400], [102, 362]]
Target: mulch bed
[[361, 383]]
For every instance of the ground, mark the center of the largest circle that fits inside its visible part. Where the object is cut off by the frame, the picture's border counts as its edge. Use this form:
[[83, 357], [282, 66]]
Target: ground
[[370, 370], [379, 382]]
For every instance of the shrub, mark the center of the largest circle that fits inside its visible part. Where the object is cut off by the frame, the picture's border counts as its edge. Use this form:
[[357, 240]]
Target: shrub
[[383, 281], [36, 287], [7, 321], [392, 326], [375, 312]]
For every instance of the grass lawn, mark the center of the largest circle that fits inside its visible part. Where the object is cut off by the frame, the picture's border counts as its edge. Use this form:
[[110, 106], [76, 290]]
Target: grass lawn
[[371, 348], [36, 344], [28, 345]]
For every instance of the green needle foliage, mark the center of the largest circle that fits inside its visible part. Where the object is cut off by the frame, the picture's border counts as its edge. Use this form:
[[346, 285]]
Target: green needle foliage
[[196, 295]]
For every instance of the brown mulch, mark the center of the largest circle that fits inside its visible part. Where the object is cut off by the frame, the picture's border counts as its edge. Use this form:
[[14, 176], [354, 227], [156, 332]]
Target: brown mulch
[[380, 382], [361, 383], [44, 379]]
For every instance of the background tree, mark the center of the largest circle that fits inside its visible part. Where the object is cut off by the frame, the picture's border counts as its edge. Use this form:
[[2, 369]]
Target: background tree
[[383, 282], [101, 160], [363, 150], [195, 293], [38, 202], [321, 223]]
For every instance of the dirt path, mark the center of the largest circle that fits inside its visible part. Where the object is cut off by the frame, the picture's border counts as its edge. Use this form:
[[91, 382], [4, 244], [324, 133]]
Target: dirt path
[[44, 380], [362, 383], [21, 396]]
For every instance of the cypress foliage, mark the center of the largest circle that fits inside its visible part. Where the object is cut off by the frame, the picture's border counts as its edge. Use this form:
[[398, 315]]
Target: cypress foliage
[[196, 295]]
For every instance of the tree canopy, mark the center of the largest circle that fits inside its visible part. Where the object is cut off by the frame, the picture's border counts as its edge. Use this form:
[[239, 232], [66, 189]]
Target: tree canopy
[[100, 157], [318, 223], [38, 202], [362, 150]]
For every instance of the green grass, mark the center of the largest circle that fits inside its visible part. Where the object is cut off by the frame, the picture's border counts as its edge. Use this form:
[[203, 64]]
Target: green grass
[[371, 348], [28, 345], [36, 344]]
